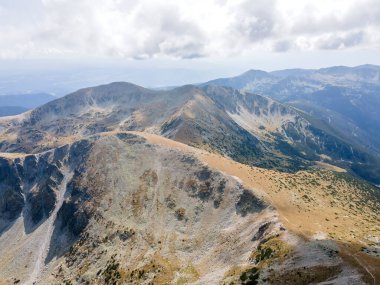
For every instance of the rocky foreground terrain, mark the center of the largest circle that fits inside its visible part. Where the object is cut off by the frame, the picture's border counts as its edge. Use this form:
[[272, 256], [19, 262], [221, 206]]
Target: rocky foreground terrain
[[119, 184]]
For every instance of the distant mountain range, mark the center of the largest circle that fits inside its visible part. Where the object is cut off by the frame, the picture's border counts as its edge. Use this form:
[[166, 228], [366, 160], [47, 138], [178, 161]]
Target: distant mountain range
[[19, 103], [11, 110]]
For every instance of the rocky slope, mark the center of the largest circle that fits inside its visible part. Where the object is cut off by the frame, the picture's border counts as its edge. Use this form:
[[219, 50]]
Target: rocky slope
[[117, 209]]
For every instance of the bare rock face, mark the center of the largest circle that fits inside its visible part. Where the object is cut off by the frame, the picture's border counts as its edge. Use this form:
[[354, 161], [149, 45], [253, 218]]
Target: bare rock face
[[30, 184], [33, 191], [248, 204], [11, 199], [41, 197], [41, 203]]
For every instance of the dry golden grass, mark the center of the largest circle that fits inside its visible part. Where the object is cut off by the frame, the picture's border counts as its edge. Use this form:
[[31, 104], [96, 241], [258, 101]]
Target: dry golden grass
[[329, 166], [11, 155]]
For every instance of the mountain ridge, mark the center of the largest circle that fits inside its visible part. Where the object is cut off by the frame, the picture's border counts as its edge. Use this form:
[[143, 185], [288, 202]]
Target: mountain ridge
[[260, 131]]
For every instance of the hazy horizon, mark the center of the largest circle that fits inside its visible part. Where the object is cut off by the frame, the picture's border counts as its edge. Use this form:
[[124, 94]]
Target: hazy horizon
[[62, 76], [174, 43]]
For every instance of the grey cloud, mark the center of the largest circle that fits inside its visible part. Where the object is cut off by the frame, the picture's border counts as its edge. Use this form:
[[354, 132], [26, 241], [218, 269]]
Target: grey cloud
[[72, 26], [168, 34], [339, 42], [282, 46], [255, 20]]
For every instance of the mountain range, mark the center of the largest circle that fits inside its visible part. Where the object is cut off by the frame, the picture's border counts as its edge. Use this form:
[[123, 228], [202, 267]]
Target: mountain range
[[345, 98], [249, 128], [200, 184]]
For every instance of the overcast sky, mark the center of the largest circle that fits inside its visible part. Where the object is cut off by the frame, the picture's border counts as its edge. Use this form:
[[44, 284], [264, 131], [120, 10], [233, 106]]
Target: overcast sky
[[226, 35]]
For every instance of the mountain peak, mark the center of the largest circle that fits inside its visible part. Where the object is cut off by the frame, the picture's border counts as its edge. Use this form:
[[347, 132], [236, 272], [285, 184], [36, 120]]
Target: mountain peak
[[186, 88], [115, 86], [255, 73]]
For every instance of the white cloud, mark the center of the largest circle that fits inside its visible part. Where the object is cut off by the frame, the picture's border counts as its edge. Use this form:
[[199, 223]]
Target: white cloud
[[183, 29]]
